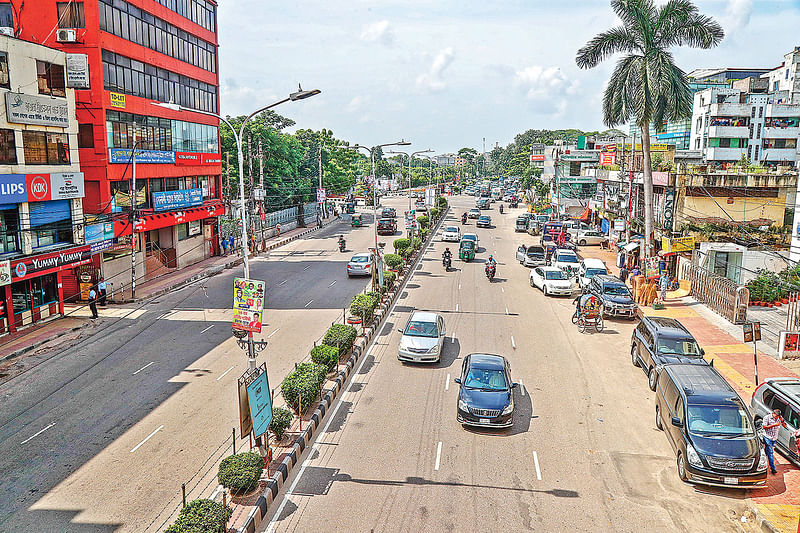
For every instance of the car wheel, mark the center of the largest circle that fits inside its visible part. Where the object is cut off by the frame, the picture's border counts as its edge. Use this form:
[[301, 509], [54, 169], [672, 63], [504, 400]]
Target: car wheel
[[544, 290], [652, 379], [582, 242], [682, 467], [659, 425], [634, 357], [532, 283]]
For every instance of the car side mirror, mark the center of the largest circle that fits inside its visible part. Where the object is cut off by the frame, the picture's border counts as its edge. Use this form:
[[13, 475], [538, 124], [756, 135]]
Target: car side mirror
[[442, 334], [458, 380], [702, 351], [400, 331], [711, 363], [514, 385], [677, 422]]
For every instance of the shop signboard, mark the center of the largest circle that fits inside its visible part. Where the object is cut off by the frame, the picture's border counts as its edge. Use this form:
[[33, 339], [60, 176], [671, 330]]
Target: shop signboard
[[99, 231], [38, 265], [195, 227], [260, 400], [123, 156], [97, 247], [537, 157], [78, 71], [57, 186], [12, 189], [619, 224], [669, 209], [677, 244], [608, 158], [39, 110], [653, 147], [169, 200], [248, 304], [789, 345], [5, 272], [592, 156], [117, 100], [195, 158]]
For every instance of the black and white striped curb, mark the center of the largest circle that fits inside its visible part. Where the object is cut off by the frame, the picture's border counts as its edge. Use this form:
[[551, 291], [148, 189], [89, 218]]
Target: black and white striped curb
[[277, 480]]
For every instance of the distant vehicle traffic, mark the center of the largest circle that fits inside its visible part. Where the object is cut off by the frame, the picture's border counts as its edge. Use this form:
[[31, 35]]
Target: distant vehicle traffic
[[484, 221], [486, 392], [566, 260], [388, 212], [590, 237]]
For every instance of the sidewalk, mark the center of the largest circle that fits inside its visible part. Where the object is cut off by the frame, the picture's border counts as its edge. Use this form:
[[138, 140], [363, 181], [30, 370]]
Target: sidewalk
[[77, 316], [778, 505]]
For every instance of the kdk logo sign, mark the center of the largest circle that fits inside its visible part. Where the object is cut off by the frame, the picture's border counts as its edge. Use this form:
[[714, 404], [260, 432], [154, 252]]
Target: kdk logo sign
[[38, 187]]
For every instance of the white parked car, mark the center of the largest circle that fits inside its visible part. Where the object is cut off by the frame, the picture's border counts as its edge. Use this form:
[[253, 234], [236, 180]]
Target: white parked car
[[422, 338], [590, 267], [589, 237], [551, 280], [360, 265], [451, 234], [566, 260], [574, 227], [531, 256]]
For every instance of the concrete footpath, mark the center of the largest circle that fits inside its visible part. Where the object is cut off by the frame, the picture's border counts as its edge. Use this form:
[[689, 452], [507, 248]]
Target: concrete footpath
[[777, 506], [78, 316]]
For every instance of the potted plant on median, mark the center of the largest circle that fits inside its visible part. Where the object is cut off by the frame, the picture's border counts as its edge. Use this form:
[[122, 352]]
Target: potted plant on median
[[363, 305], [281, 420], [302, 385], [342, 337], [393, 261], [202, 516]]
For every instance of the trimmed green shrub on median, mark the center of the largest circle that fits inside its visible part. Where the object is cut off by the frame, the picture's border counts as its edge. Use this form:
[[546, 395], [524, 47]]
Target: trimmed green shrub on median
[[423, 221], [202, 516], [363, 305], [240, 472], [434, 213], [393, 261], [304, 382], [441, 203], [417, 243], [389, 278], [327, 356], [400, 244], [281, 420], [341, 336]]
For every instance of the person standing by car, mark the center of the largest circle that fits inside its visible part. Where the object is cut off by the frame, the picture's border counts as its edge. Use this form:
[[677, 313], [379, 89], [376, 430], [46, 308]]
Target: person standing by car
[[623, 274], [772, 425]]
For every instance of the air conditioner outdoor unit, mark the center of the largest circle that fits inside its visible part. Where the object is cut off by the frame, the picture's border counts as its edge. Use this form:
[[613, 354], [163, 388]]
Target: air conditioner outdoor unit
[[7, 30], [66, 36]]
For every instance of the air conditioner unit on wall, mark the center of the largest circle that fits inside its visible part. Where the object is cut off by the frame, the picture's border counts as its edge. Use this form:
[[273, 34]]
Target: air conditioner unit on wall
[[66, 36], [7, 30]]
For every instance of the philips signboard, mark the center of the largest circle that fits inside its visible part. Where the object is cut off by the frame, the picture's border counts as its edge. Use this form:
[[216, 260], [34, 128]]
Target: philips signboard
[[166, 201], [13, 189]]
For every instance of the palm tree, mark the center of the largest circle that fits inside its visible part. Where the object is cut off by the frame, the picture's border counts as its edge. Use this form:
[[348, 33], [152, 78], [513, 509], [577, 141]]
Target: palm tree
[[646, 86]]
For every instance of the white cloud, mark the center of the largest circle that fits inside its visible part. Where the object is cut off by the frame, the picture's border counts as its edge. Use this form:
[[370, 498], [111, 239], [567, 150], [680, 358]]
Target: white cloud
[[737, 15], [357, 103], [378, 32], [433, 79], [547, 88], [235, 97]]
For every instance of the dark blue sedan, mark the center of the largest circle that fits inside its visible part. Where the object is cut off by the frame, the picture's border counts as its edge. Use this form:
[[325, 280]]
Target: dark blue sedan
[[485, 397]]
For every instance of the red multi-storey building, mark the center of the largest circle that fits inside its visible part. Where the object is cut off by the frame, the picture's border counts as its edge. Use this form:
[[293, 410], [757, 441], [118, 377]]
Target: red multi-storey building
[[128, 56]]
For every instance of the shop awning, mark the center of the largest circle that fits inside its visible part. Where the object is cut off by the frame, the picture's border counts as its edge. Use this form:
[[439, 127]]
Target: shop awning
[[587, 215], [631, 246]]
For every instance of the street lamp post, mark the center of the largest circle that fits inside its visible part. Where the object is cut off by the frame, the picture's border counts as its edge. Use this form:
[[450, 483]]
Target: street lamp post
[[371, 151], [410, 157]]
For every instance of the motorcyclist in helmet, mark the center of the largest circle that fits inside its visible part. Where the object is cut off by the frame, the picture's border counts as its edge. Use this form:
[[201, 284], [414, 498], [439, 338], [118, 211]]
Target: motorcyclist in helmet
[[490, 263], [446, 254]]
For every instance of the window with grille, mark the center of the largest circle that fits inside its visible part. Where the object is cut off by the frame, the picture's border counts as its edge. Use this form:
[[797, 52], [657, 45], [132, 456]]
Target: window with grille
[[70, 15], [51, 79]]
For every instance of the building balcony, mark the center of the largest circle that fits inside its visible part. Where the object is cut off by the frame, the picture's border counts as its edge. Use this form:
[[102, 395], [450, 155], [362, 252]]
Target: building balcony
[[781, 133], [730, 110], [724, 154], [731, 132], [782, 110], [786, 180], [779, 154]]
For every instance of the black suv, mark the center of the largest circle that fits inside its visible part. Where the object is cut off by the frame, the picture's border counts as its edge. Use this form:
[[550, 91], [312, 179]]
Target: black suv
[[387, 226], [658, 341], [388, 212], [615, 295]]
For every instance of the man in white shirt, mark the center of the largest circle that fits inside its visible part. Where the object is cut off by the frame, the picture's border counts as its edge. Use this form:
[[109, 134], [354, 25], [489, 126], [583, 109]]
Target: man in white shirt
[[772, 425]]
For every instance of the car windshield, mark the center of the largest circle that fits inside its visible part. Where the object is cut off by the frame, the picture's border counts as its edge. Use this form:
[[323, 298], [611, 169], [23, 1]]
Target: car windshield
[[452, 229], [470, 237], [718, 420], [474, 211], [421, 329], [592, 272], [678, 346], [555, 274], [360, 259], [485, 378], [537, 254], [616, 290], [567, 258]]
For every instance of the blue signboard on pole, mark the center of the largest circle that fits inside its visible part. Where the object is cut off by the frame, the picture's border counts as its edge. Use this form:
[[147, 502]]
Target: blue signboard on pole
[[260, 400], [165, 201]]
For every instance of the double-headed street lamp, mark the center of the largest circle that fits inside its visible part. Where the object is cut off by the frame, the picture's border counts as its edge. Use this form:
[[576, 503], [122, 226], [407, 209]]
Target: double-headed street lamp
[[371, 151], [410, 157]]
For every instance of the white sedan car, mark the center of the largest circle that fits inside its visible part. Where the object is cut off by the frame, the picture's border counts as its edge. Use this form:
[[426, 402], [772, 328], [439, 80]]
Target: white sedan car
[[590, 236], [551, 280], [451, 234]]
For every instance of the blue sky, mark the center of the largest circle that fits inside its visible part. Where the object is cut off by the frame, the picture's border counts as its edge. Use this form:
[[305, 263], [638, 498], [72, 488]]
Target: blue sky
[[446, 74]]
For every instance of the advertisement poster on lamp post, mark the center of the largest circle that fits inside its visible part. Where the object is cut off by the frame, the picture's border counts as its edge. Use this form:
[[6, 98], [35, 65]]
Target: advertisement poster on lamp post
[[248, 304]]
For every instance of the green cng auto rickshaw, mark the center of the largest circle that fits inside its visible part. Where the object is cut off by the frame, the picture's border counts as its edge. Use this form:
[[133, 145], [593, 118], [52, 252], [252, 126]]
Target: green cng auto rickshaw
[[466, 250], [357, 221], [350, 207]]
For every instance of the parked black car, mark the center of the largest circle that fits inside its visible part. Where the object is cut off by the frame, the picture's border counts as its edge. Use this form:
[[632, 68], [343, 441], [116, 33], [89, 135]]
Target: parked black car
[[387, 226], [615, 295], [388, 212], [709, 427], [658, 341], [485, 396]]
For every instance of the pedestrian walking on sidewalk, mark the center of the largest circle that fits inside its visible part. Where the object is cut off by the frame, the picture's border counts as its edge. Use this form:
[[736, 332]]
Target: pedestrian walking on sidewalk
[[232, 245], [772, 425], [663, 284], [224, 246], [101, 286], [623, 274], [93, 302]]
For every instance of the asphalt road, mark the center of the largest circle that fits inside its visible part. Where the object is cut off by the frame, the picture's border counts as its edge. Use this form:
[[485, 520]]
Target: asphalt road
[[101, 436], [583, 454]]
